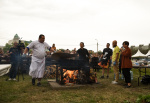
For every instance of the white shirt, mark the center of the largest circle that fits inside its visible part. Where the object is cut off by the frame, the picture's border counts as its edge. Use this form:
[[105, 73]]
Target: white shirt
[[38, 49]]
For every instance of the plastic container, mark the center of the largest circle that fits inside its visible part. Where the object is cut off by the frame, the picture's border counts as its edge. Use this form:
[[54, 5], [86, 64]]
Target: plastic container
[[131, 75], [122, 77]]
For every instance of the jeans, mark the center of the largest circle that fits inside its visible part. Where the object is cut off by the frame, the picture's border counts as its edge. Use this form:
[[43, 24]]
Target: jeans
[[13, 69]]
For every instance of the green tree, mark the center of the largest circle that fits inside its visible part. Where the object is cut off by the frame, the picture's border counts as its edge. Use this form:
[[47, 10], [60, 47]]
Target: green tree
[[26, 43], [133, 51], [7, 47], [63, 50], [144, 51], [100, 52]]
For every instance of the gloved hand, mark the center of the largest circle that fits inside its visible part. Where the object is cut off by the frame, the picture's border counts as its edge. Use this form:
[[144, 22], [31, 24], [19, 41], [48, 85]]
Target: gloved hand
[[23, 55], [114, 63]]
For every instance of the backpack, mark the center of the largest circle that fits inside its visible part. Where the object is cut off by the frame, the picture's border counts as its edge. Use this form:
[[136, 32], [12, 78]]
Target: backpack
[[145, 79]]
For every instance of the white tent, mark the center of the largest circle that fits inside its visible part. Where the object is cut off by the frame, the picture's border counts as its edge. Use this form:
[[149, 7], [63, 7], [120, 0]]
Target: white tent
[[139, 55], [148, 54]]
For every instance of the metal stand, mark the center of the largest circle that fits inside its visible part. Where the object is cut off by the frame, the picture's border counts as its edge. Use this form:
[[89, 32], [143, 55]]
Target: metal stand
[[20, 72], [140, 75]]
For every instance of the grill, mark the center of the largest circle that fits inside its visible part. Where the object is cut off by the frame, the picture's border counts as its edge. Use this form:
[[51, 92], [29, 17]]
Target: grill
[[68, 62]]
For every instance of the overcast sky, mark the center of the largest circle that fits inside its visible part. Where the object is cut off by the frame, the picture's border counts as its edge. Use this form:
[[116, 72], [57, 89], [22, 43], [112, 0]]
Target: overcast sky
[[69, 22]]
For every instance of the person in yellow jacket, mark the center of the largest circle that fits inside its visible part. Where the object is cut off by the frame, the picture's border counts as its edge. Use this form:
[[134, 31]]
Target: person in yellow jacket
[[115, 61]]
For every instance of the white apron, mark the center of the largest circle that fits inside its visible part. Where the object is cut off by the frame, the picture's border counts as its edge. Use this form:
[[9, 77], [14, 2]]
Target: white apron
[[37, 67]]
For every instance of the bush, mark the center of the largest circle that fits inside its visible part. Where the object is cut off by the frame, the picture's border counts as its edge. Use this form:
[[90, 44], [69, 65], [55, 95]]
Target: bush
[[143, 99]]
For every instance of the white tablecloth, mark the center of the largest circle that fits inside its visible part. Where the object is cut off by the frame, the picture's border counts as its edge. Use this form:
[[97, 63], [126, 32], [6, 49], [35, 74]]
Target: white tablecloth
[[4, 69]]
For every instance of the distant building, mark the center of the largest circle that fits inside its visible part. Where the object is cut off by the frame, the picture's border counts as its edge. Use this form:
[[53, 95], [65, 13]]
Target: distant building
[[16, 39]]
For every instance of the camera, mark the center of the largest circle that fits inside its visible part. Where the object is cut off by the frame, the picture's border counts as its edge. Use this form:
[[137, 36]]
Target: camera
[[21, 45]]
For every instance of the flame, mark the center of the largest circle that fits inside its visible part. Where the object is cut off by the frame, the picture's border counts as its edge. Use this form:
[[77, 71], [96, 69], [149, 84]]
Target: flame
[[70, 74]]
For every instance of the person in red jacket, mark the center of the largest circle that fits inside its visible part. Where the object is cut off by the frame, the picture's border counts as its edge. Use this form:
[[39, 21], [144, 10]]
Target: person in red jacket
[[126, 63]]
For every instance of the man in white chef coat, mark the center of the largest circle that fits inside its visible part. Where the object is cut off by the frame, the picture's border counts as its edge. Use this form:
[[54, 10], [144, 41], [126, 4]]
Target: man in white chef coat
[[38, 58]]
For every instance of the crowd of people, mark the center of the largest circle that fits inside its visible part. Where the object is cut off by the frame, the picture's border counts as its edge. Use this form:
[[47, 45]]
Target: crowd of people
[[119, 59]]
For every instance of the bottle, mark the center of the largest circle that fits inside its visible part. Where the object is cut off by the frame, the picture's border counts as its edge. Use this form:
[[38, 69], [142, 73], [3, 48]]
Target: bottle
[[122, 76], [115, 76], [131, 73]]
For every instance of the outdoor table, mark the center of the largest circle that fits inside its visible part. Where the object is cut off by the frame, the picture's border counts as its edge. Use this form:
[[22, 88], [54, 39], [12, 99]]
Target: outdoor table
[[140, 71], [4, 69]]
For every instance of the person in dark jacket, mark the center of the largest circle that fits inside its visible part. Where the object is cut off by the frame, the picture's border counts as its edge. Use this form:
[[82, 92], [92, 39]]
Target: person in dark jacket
[[84, 57], [15, 55]]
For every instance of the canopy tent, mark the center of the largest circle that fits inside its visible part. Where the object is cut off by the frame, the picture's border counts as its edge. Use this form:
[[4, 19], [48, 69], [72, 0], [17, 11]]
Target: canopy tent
[[139, 55], [148, 54]]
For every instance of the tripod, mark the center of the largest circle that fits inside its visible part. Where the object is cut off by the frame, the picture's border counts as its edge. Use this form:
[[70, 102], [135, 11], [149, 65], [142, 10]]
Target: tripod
[[24, 66], [20, 71]]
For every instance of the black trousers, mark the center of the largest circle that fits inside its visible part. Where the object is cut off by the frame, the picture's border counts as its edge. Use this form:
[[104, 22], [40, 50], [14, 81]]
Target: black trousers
[[126, 74]]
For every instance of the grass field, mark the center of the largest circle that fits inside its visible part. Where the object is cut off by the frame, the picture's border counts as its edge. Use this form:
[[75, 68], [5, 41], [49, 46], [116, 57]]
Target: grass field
[[105, 92]]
